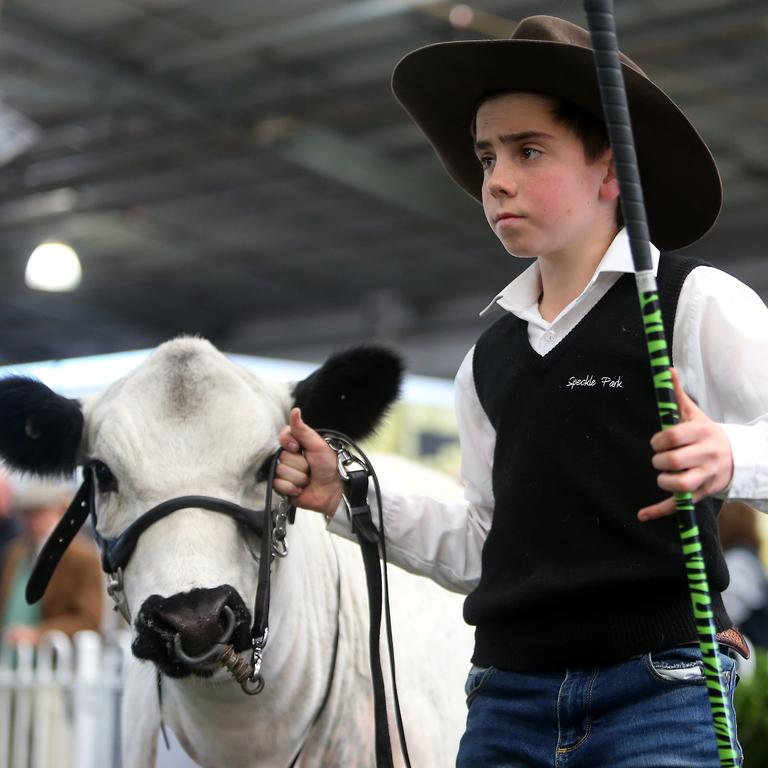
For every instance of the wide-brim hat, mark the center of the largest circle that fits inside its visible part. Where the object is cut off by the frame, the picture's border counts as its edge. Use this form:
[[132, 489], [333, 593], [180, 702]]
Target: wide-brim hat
[[442, 85]]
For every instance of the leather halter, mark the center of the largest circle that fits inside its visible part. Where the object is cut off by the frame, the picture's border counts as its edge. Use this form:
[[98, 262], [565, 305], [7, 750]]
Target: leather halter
[[116, 552]]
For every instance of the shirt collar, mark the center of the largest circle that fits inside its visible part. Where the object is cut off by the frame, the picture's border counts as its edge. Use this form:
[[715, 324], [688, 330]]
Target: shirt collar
[[525, 289]]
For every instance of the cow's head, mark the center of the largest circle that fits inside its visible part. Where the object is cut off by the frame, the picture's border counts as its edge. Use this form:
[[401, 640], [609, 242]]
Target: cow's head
[[186, 422]]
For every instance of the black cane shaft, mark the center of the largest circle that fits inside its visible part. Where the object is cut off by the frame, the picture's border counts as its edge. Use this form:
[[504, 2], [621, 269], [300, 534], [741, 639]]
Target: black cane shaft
[[617, 119]]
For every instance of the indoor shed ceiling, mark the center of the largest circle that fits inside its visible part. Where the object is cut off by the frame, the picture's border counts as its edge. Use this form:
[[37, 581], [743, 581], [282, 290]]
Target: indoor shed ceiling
[[240, 169]]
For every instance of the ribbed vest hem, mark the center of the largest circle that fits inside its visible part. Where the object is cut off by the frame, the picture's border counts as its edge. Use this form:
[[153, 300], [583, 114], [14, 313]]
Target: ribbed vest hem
[[560, 642]]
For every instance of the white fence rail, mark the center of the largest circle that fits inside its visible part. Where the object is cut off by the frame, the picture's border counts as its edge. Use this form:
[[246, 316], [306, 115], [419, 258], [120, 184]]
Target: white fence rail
[[60, 702]]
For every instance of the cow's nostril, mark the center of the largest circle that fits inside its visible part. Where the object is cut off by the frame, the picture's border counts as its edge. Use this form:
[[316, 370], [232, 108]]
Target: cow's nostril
[[197, 617], [216, 649]]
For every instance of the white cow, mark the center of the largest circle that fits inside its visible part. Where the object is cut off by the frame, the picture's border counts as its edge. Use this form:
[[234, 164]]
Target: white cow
[[189, 421]]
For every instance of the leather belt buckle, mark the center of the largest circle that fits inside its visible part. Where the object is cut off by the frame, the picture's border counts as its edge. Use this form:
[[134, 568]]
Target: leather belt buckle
[[733, 639]]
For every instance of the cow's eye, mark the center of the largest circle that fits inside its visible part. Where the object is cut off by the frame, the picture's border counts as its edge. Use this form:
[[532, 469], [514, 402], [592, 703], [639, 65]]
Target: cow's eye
[[106, 481]]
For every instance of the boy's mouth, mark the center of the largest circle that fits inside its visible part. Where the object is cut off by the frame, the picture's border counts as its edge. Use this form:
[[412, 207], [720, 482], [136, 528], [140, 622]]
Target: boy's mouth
[[507, 216]]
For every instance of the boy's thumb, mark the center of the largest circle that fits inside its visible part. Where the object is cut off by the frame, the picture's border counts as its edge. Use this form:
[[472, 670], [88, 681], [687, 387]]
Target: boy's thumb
[[302, 431]]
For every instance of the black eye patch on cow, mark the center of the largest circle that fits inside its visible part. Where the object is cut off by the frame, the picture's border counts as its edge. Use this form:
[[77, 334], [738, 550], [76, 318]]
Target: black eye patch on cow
[[105, 480]]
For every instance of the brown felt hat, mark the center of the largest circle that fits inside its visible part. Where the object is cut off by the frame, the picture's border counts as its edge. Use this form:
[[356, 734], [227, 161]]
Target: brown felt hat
[[442, 85]]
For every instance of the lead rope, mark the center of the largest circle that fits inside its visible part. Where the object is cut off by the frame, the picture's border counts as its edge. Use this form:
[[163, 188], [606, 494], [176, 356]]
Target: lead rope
[[354, 470]]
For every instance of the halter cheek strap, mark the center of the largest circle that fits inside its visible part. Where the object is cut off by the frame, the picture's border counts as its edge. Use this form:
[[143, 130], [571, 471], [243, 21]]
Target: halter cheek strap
[[57, 543]]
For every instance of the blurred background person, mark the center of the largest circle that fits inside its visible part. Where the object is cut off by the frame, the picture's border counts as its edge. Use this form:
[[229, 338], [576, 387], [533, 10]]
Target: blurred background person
[[746, 598], [74, 598], [9, 524]]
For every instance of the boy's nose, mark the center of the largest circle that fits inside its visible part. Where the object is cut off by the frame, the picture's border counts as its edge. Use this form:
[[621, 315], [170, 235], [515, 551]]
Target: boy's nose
[[502, 183]]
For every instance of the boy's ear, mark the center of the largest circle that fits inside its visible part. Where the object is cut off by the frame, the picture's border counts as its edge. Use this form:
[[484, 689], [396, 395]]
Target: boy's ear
[[352, 391], [609, 189], [40, 431]]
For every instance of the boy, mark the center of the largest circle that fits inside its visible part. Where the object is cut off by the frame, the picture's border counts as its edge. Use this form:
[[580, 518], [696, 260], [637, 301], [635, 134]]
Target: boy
[[584, 643]]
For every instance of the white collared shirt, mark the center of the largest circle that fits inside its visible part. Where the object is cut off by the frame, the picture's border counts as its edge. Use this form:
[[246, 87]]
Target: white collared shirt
[[720, 349]]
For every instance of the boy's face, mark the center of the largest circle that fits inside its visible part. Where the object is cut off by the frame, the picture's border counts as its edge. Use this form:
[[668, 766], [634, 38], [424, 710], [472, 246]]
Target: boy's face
[[541, 196]]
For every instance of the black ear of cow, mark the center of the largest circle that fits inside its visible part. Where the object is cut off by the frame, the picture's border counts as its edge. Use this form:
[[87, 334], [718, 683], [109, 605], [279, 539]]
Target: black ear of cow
[[352, 390], [40, 431]]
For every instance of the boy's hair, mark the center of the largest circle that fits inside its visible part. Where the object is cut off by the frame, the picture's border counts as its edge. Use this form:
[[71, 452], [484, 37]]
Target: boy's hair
[[590, 130]]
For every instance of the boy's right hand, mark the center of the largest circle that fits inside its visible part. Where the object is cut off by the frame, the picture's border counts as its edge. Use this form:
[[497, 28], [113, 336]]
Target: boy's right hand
[[307, 471]]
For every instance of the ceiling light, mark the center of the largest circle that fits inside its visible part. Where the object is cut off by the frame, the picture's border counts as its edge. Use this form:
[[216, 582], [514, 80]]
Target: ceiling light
[[461, 16], [53, 267]]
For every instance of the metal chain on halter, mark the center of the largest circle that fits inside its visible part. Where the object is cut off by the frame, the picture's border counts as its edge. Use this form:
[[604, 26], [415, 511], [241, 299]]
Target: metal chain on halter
[[355, 469], [273, 545]]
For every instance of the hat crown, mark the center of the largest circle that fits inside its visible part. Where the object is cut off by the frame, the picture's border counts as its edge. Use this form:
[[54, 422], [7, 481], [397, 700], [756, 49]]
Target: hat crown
[[550, 29]]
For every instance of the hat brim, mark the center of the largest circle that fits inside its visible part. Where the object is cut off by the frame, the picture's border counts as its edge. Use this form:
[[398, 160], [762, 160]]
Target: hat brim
[[441, 85]]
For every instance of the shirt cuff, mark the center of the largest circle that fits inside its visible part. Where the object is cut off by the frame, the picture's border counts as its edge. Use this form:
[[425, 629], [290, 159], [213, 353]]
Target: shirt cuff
[[340, 523], [750, 475]]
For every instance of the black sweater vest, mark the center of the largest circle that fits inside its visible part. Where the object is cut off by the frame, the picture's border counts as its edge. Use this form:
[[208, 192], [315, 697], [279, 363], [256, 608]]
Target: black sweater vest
[[569, 576]]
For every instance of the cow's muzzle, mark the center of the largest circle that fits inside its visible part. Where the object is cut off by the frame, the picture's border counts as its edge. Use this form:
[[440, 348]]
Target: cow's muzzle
[[179, 633]]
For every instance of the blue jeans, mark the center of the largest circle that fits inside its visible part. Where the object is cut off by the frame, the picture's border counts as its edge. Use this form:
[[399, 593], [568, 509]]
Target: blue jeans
[[648, 712]]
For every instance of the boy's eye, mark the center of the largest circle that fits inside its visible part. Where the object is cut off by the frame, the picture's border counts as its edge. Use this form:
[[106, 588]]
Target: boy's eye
[[529, 153], [486, 161]]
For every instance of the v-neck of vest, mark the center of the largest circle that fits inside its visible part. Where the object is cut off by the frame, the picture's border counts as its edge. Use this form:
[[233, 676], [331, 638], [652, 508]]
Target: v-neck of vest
[[625, 282]]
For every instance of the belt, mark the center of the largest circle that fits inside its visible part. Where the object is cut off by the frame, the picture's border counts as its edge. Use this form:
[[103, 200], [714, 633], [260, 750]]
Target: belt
[[730, 638]]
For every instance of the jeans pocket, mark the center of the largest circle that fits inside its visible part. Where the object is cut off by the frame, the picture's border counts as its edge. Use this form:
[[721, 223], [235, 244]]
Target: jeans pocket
[[684, 665], [476, 680]]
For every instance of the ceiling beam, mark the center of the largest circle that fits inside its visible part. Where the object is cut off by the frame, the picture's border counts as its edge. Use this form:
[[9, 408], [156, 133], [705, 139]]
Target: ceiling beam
[[291, 30], [355, 165], [39, 42], [314, 148]]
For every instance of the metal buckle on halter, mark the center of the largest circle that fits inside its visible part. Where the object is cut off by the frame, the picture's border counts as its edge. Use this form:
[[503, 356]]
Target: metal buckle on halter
[[279, 544], [115, 590], [346, 461]]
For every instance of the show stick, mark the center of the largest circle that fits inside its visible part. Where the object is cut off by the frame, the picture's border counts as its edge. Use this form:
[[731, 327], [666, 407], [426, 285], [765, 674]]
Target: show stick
[[602, 28]]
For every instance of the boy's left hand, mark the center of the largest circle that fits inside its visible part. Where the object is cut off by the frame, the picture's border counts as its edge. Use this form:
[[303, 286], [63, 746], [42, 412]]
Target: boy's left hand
[[695, 455]]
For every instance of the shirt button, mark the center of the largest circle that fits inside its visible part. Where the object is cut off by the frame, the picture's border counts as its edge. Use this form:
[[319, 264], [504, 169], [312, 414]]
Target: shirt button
[[549, 336]]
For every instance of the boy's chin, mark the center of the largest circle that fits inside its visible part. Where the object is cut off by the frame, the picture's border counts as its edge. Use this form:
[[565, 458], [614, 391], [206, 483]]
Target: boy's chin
[[519, 248], [520, 253]]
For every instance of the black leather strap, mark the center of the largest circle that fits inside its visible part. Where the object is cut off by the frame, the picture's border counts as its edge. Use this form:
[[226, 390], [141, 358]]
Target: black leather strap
[[368, 538], [57, 543], [115, 553], [261, 602]]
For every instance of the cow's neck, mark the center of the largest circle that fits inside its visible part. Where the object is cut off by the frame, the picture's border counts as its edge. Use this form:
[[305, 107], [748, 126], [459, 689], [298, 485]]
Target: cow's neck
[[268, 729]]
